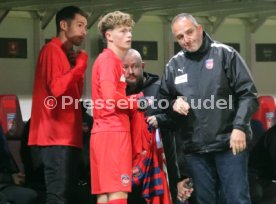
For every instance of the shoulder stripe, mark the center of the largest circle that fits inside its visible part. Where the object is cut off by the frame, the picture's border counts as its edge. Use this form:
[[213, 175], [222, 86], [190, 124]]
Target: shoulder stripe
[[216, 44]]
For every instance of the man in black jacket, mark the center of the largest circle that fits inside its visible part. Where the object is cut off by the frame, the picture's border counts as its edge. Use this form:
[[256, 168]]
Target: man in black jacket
[[138, 80], [11, 179], [212, 98]]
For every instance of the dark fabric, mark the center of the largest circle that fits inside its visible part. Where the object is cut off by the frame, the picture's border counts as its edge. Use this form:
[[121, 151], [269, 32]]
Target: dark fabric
[[215, 72], [9, 191], [219, 171], [3, 199], [34, 170], [147, 166], [166, 125], [260, 161], [150, 88], [270, 144], [61, 165], [31, 158], [19, 195], [7, 164], [262, 166]]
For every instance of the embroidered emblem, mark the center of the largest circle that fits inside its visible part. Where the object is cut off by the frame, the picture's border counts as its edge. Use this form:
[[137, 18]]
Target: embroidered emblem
[[136, 171], [181, 70], [125, 179], [209, 63], [122, 78]]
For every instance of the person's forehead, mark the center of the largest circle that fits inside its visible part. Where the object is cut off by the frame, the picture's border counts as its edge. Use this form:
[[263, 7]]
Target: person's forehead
[[79, 18], [119, 26], [184, 22], [132, 57]]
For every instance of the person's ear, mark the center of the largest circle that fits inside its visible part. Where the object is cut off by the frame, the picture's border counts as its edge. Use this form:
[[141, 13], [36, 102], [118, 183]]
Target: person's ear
[[63, 25], [200, 28], [143, 65], [108, 36]]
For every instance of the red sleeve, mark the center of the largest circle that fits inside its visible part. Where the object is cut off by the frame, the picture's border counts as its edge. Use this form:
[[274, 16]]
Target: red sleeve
[[80, 86], [110, 93], [59, 77], [110, 74]]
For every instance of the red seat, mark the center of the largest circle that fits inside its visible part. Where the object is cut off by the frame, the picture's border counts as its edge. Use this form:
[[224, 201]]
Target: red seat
[[266, 112], [10, 116], [12, 124]]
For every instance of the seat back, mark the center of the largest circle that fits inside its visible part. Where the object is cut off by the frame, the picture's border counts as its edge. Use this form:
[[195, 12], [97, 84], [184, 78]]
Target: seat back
[[10, 116], [12, 124], [266, 111]]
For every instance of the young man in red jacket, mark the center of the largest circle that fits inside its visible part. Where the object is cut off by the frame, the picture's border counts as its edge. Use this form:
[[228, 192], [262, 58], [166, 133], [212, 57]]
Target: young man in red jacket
[[56, 120], [110, 149]]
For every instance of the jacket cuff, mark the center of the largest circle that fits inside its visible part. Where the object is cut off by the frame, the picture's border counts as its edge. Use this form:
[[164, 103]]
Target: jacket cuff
[[239, 127], [171, 105]]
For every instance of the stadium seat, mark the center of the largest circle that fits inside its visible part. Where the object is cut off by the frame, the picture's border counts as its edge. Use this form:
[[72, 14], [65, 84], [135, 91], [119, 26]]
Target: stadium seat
[[12, 124], [266, 112], [10, 116]]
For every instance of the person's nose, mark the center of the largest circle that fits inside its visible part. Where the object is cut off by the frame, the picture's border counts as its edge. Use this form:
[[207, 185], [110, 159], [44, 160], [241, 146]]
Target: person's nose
[[129, 35], [130, 70], [84, 32], [185, 40]]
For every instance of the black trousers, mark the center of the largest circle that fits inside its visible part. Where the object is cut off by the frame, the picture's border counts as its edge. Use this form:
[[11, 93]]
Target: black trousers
[[168, 139], [61, 165], [18, 195]]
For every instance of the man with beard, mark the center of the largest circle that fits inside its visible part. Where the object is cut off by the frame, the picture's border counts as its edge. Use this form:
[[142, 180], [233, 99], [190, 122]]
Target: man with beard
[[137, 81], [56, 127]]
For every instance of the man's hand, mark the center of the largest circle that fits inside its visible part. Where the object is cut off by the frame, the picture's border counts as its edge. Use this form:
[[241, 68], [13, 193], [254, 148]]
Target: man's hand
[[237, 141], [183, 190], [81, 64], [81, 60], [180, 106], [71, 55], [151, 120], [18, 178]]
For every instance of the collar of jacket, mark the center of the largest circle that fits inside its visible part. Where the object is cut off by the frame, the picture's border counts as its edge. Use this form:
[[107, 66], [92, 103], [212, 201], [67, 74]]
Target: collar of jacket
[[149, 79], [206, 44]]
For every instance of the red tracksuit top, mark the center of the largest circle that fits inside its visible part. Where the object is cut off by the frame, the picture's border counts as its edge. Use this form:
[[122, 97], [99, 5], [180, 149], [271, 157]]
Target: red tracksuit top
[[108, 67], [61, 125]]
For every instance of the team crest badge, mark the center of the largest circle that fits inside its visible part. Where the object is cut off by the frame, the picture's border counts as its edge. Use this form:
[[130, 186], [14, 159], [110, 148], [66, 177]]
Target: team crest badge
[[209, 63], [125, 179], [122, 78], [136, 171]]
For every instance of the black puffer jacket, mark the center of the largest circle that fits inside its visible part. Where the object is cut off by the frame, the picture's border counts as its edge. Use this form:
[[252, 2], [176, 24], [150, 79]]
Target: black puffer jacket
[[217, 84]]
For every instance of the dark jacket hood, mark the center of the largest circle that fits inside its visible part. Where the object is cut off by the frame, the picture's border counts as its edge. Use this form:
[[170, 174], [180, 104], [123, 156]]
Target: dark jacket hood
[[148, 80]]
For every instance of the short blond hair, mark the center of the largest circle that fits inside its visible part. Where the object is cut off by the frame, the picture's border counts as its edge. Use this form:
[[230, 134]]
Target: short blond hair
[[113, 19]]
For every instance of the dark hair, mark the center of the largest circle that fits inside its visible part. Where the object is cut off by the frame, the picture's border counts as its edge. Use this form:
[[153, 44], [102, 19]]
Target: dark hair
[[68, 13]]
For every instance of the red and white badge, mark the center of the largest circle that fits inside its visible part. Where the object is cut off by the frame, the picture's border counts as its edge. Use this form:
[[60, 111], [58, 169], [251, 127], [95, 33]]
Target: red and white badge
[[209, 63], [125, 180]]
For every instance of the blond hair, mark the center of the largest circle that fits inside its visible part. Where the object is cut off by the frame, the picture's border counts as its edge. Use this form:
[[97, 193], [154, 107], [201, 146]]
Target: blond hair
[[112, 20]]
